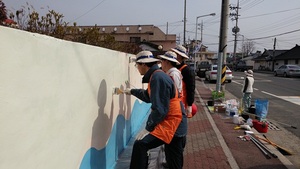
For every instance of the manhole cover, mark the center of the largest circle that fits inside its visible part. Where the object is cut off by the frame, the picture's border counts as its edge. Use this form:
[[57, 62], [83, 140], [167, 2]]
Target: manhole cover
[[272, 126]]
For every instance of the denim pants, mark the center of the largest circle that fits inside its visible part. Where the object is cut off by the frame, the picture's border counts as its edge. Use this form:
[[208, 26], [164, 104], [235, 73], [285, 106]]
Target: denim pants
[[246, 100]]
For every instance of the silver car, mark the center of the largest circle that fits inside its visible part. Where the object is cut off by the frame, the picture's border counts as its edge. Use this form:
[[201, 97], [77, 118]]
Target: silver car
[[287, 71]]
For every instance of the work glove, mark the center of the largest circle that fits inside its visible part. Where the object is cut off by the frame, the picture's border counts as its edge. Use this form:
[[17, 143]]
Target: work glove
[[189, 111], [142, 134], [127, 91]]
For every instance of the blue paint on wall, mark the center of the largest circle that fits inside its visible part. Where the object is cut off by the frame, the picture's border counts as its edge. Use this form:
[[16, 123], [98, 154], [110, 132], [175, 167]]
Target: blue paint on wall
[[121, 133]]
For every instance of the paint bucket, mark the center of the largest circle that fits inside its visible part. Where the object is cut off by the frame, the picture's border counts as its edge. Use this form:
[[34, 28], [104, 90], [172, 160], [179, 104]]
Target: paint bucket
[[210, 103]]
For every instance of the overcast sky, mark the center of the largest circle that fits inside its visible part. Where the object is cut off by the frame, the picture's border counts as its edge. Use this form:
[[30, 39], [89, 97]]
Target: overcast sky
[[260, 20]]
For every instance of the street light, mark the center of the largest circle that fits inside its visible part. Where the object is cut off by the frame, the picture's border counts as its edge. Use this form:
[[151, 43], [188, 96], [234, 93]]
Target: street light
[[195, 51], [212, 14]]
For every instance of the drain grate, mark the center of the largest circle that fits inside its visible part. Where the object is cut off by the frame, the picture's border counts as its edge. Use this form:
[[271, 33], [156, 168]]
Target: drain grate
[[272, 126]]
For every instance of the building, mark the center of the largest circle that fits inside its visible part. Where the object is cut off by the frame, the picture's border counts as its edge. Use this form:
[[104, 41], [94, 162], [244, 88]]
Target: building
[[265, 60], [149, 36], [291, 56]]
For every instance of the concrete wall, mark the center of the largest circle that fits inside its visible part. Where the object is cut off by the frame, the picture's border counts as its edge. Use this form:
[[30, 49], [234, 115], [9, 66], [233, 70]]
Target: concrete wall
[[57, 108]]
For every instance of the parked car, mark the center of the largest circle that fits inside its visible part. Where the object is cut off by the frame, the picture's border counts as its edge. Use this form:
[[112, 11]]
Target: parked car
[[287, 71], [211, 74], [202, 67]]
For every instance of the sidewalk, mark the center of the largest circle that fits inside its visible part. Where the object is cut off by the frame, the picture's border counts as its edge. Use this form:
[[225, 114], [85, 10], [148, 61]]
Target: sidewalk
[[212, 143], [235, 152]]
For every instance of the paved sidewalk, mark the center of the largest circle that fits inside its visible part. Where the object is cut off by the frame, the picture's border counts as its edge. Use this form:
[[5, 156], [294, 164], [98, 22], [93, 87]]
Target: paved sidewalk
[[235, 152], [212, 143]]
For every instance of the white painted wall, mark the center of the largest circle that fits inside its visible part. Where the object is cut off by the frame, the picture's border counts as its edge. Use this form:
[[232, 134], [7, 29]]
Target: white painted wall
[[57, 106]]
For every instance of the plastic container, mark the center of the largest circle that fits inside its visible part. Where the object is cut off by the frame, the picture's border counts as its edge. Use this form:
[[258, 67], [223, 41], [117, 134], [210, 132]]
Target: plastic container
[[234, 111], [236, 119], [261, 127], [210, 103]]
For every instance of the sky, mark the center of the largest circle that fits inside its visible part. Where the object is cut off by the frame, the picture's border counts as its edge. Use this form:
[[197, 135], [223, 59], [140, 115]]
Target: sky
[[260, 21]]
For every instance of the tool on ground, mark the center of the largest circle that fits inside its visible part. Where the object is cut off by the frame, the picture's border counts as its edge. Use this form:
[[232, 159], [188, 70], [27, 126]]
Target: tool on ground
[[286, 124], [263, 146], [246, 113], [261, 149], [282, 150], [272, 120]]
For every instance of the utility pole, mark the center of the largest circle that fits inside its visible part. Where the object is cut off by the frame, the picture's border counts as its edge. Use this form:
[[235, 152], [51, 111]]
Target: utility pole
[[236, 29], [201, 31], [273, 57], [184, 22], [222, 41]]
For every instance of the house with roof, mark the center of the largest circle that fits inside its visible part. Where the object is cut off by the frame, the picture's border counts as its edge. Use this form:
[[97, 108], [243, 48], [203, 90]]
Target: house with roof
[[291, 56], [249, 59], [266, 60], [10, 23]]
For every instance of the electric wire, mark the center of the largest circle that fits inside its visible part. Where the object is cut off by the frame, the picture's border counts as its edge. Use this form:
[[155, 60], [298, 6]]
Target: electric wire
[[90, 10]]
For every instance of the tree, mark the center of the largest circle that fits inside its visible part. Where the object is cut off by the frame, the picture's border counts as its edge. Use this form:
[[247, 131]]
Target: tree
[[247, 47], [52, 24], [2, 12]]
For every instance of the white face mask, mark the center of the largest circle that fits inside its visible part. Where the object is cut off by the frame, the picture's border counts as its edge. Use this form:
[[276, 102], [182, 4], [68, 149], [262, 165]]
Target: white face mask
[[159, 64]]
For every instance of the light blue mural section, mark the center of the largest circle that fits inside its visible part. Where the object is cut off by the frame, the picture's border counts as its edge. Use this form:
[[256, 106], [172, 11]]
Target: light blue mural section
[[121, 133]]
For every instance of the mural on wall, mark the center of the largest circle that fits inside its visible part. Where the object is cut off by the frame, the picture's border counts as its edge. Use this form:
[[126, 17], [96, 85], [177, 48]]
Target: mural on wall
[[107, 143]]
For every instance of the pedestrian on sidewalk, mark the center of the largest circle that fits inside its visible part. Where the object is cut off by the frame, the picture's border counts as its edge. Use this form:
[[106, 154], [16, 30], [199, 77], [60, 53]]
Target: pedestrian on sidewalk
[[188, 79], [165, 119], [168, 64], [247, 89]]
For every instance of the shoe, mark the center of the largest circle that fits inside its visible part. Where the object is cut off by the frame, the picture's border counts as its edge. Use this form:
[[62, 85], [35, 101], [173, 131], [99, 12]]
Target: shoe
[[165, 165]]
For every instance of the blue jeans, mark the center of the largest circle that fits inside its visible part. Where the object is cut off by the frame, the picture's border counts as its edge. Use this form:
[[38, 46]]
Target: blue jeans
[[246, 100]]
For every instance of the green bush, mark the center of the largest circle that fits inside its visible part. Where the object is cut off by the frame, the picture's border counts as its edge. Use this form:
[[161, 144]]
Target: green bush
[[217, 95]]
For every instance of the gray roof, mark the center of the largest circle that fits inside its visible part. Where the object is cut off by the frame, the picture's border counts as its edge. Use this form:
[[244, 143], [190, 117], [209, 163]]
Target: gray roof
[[267, 54], [293, 53]]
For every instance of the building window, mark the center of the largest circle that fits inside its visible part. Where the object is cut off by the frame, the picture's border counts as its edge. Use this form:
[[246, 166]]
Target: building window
[[297, 61], [135, 39]]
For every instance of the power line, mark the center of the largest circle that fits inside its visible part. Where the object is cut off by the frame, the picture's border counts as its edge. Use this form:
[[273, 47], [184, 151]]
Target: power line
[[88, 11], [276, 35], [288, 10]]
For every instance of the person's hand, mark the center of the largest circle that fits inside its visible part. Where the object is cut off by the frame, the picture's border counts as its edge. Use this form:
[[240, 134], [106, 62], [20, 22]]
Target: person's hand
[[127, 91], [189, 111], [142, 134]]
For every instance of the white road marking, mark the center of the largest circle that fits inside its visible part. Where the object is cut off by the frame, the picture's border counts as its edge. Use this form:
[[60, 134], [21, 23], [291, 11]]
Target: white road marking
[[237, 82], [292, 99]]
